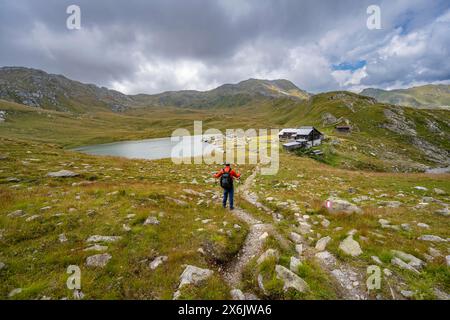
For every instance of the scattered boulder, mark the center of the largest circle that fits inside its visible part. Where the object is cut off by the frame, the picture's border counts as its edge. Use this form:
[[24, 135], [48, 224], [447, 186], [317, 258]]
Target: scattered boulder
[[328, 118], [237, 294], [304, 227], [269, 253], [33, 217], [423, 225], [390, 204], [403, 265], [194, 275], [151, 221], [350, 246], [97, 238], [430, 237], [16, 214], [157, 262], [62, 238], [439, 191], [62, 174], [447, 260], [434, 252], [407, 293], [261, 284], [14, 292], [443, 212], [98, 260], [177, 201], [294, 264], [322, 243], [376, 260], [338, 205], [2, 265], [326, 257], [295, 237], [405, 226], [420, 188], [325, 223], [409, 258], [290, 279]]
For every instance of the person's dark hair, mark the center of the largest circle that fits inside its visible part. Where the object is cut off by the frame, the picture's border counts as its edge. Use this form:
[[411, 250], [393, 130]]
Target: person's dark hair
[[227, 164]]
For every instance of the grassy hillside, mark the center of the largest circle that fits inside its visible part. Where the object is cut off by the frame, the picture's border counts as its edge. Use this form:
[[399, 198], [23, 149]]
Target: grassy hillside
[[384, 138], [45, 224], [427, 96]]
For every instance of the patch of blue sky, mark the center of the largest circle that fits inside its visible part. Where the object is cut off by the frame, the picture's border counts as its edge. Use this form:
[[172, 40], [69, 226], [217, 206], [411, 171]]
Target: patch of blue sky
[[349, 65]]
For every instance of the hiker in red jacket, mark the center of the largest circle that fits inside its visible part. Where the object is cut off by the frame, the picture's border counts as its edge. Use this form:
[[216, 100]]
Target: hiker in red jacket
[[227, 175]]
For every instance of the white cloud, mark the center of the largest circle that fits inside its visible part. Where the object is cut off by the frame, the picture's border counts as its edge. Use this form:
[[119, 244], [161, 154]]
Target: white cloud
[[161, 45]]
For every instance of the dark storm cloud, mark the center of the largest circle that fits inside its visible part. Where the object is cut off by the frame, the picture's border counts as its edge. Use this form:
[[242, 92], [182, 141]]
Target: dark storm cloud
[[150, 46]]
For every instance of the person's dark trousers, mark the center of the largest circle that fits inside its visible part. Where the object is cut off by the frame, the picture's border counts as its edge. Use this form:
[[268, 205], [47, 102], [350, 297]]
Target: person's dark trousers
[[228, 193]]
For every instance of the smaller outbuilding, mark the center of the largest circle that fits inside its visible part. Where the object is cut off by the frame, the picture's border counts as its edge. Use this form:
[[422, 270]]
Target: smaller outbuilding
[[343, 129]]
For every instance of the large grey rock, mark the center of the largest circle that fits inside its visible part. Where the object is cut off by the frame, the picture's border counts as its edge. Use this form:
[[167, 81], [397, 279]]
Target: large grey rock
[[409, 259], [237, 294], [403, 265], [294, 264], [157, 262], [339, 205], [433, 238], [2, 266], [269, 253], [98, 260], [443, 212], [322, 243], [14, 292], [295, 237], [151, 221], [326, 258], [447, 260], [350, 246], [97, 238], [16, 214], [304, 227], [194, 275], [290, 279], [62, 174]]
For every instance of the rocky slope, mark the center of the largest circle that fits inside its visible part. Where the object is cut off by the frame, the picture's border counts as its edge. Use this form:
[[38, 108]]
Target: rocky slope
[[36, 88]]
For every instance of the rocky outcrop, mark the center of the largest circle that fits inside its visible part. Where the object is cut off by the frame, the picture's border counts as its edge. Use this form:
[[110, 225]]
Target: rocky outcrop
[[350, 246], [335, 205], [98, 260], [62, 174], [290, 279]]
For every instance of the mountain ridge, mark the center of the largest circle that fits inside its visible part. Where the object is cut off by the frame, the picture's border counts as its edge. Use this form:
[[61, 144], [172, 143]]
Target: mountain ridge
[[426, 96], [37, 88]]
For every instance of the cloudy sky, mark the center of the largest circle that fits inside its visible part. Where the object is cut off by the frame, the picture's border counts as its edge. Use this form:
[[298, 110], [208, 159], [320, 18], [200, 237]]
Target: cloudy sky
[[149, 46]]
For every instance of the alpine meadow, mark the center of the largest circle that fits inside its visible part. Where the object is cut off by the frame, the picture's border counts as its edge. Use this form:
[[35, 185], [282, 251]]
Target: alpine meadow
[[93, 206]]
